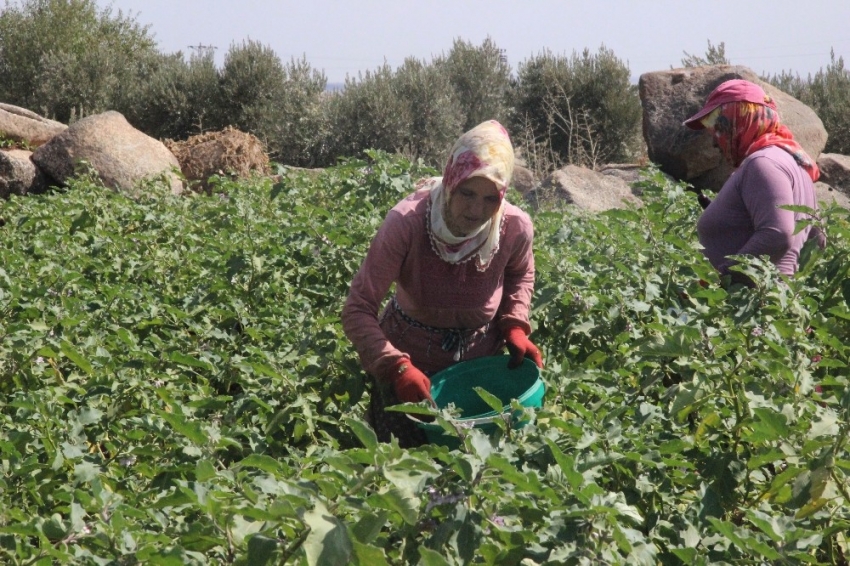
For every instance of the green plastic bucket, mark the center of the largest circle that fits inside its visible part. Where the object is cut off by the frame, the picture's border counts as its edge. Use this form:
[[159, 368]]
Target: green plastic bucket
[[457, 384]]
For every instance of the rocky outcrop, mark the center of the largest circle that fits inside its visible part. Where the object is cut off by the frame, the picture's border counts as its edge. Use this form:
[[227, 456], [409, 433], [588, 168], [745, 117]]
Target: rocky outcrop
[[22, 125], [523, 180], [826, 195], [121, 155], [19, 175], [835, 171], [670, 97], [584, 188]]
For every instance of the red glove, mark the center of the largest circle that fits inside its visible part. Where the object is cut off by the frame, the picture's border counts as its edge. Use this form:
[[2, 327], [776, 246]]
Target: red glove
[[521, 347], [410, 384]]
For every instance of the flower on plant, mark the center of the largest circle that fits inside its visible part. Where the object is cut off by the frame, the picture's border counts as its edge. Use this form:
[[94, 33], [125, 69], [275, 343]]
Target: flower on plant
[[816, 358], [497, 520], [757, 331]]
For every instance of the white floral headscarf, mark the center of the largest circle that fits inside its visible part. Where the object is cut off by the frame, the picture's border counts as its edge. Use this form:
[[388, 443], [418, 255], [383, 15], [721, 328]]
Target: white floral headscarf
[[484, 151]]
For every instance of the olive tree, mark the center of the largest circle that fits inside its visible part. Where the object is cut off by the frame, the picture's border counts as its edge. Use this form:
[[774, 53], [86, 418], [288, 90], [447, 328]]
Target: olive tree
[[582, 108], [481, 78], [176, 98], [65, 58]]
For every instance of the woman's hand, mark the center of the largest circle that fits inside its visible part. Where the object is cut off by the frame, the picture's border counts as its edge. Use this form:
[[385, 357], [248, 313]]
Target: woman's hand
[[521, 347], [410, 384]]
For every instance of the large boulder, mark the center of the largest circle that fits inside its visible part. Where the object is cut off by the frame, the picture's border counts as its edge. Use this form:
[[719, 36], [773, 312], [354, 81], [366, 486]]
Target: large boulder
[[22, 125], [19, 175], [523, 180], [229, 152], [585, 188], [120, 154], [670, 97], [835, 171], [826, 195]]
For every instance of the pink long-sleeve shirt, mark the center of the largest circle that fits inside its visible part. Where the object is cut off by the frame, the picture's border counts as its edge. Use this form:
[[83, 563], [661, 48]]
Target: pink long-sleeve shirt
[[436, 293], [745, 218]]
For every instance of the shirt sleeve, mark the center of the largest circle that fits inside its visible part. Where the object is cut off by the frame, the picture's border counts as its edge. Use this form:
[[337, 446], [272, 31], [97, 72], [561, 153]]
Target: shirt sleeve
[[766, 187], [369, 288], [519, 278]]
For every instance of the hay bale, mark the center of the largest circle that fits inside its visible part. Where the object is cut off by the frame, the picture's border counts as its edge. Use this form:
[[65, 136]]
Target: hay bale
[[226, 152]]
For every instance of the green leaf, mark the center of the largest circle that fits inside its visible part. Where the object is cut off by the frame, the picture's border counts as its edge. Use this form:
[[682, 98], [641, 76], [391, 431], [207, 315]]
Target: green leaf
[[328, 543], [744, 540], [492, 401], [86, 471], [72, 354], [261, 462], [260, 550], [82, 221], [204, 470], [394, 500], [368, 555], [369, 526], [54, 528], [770, 425], [679, 343], [430, 557], [89, 415], [567, 465], [190, 429], [363, 432], [187, 360]]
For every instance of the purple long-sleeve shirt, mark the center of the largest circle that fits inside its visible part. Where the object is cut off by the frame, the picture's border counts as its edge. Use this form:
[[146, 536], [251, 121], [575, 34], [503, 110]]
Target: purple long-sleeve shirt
[[745, 218], [436, 293]]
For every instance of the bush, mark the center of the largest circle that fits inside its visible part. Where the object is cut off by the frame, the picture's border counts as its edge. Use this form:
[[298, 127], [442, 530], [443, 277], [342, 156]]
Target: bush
[[175, 98], [301, 127], [481, 77], [436, 115], [367, 113], [251, 84], [278, 104], [413, 111], [828, 94], [714, 55], [66, 58], [583, 107]]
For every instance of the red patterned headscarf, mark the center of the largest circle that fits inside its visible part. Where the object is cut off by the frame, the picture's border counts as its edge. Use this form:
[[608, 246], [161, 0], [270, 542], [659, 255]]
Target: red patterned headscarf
[[742, 128]]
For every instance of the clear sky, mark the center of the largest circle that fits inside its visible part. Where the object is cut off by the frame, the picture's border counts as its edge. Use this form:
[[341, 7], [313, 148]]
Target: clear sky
[[344, 37]]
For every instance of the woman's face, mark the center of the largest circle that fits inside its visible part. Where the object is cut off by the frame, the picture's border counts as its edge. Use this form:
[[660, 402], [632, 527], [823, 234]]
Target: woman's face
[[719, 127], [473, 202]]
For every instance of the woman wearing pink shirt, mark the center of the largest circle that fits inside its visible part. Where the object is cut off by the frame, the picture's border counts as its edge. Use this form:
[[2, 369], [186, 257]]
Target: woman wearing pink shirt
[[460, 257], [771, 170]]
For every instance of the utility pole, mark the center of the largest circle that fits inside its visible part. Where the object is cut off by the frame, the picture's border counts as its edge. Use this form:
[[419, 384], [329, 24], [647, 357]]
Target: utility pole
[[201, 48]]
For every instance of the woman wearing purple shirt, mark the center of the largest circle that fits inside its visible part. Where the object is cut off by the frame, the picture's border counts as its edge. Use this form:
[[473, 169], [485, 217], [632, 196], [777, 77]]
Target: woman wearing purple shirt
[[460, 259], [771, 170]]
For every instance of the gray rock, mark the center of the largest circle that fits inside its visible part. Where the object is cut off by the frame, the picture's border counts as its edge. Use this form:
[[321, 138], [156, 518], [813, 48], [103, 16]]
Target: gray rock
[[120, 154], [835, 171], [827, 195], [523, 180], [585, 188], [670, 97], [22, 125], [19, 175]]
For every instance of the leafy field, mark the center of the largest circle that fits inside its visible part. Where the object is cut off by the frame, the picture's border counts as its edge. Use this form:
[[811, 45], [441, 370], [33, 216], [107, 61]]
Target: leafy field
[[177, 390]]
